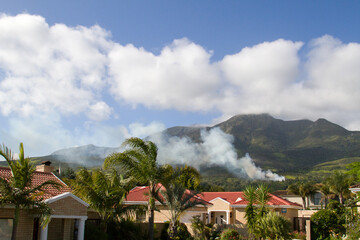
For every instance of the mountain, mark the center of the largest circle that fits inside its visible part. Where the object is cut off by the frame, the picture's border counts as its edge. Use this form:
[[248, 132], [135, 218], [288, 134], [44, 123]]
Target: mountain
[[283, 145], [87, 155], [275, 144]]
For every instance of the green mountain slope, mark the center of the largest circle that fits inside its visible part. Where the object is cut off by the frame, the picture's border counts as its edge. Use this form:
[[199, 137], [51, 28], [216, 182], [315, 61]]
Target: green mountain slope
[[284, 145]]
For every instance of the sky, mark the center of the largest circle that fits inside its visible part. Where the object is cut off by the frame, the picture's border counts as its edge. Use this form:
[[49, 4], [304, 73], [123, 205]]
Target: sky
[[97, 72]]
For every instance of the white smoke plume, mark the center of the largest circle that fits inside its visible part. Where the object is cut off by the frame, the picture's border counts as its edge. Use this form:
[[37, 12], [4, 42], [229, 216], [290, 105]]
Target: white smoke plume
[[216, 149]]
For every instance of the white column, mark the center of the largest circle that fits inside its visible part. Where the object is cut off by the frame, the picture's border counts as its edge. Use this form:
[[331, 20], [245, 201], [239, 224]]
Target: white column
[[209, 216], [81, 229], [44, 232], [227, 217]]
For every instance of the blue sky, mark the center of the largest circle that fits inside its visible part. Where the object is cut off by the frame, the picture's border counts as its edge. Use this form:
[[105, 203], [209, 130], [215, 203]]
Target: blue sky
[[80, 72]]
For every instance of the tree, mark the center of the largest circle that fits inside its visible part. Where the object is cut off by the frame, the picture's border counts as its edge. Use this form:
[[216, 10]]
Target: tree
[[199, 228], [250, 210], [324, 223], [303, 190], [189, 178], [354, 169], [262, 197], [325, 191], [105, 192], [19, 191], [177, 199], [339, 184], [139, 161], [274, 226]]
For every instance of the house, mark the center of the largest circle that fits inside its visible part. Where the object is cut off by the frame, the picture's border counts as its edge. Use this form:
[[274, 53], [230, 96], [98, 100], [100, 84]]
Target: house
[[223, 208], [314, 201], [68, 216], [356, 190]]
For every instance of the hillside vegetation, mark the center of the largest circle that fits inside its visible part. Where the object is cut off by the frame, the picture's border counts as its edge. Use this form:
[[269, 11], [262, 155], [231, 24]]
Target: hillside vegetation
[[284, 146]]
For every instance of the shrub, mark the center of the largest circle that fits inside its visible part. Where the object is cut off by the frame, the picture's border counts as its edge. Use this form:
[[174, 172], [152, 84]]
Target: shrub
[[273, 226], [230, 234], [298, 235], [326, 223]]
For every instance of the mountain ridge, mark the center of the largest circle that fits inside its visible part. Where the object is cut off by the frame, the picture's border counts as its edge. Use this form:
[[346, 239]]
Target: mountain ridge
[[275, 144]]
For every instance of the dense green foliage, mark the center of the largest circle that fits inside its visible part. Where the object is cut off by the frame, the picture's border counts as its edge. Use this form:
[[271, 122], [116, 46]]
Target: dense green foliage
[[324, 223]]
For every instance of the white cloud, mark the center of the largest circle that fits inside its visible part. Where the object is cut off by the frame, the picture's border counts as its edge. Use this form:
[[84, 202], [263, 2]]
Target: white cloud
[[47, 68], [99, 111], [181, 77], [269, 78], [140, 130]]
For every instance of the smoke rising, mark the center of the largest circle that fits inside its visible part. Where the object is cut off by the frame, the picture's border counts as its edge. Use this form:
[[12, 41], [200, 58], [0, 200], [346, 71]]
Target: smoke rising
[[216, 148]]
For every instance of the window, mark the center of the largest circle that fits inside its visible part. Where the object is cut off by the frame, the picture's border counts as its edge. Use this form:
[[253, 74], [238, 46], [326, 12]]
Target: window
[[6, 228], [316, 198]]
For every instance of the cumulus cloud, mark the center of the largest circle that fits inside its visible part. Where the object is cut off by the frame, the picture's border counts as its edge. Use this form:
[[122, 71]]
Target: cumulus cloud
[[181, 77], [51, 67]]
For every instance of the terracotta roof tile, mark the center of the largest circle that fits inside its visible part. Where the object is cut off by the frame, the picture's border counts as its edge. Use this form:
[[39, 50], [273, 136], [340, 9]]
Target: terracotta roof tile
[[38, 178], [237, 198], [139, 194]]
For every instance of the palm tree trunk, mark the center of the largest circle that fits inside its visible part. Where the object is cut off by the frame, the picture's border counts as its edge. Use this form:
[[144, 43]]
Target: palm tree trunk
[[15, 222], [341, 198], [326, 201], [151, 221], [173, 230], [304, 202]]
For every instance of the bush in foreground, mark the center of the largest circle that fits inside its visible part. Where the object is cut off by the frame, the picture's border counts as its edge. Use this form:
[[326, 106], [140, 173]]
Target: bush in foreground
[[230, 234]]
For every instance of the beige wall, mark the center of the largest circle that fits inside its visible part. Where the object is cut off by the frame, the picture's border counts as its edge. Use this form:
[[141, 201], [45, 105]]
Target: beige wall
[[25, 225], [61, 229], [186, 217], [219, 204], [68, 206], [239, 216]]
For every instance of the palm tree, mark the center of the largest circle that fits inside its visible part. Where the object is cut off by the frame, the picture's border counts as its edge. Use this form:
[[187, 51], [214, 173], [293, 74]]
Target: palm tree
[[274, 226], [250, 210], [105, 192], [19, 191], [339, 184], [325, 191], [139, 161], [303, 190], [263, 196], [177, 199]]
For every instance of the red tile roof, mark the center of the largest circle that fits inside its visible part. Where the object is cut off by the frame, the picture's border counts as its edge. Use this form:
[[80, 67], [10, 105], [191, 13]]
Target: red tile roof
[[138, 194], [38, 178], [355, 186], [237, 198]]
